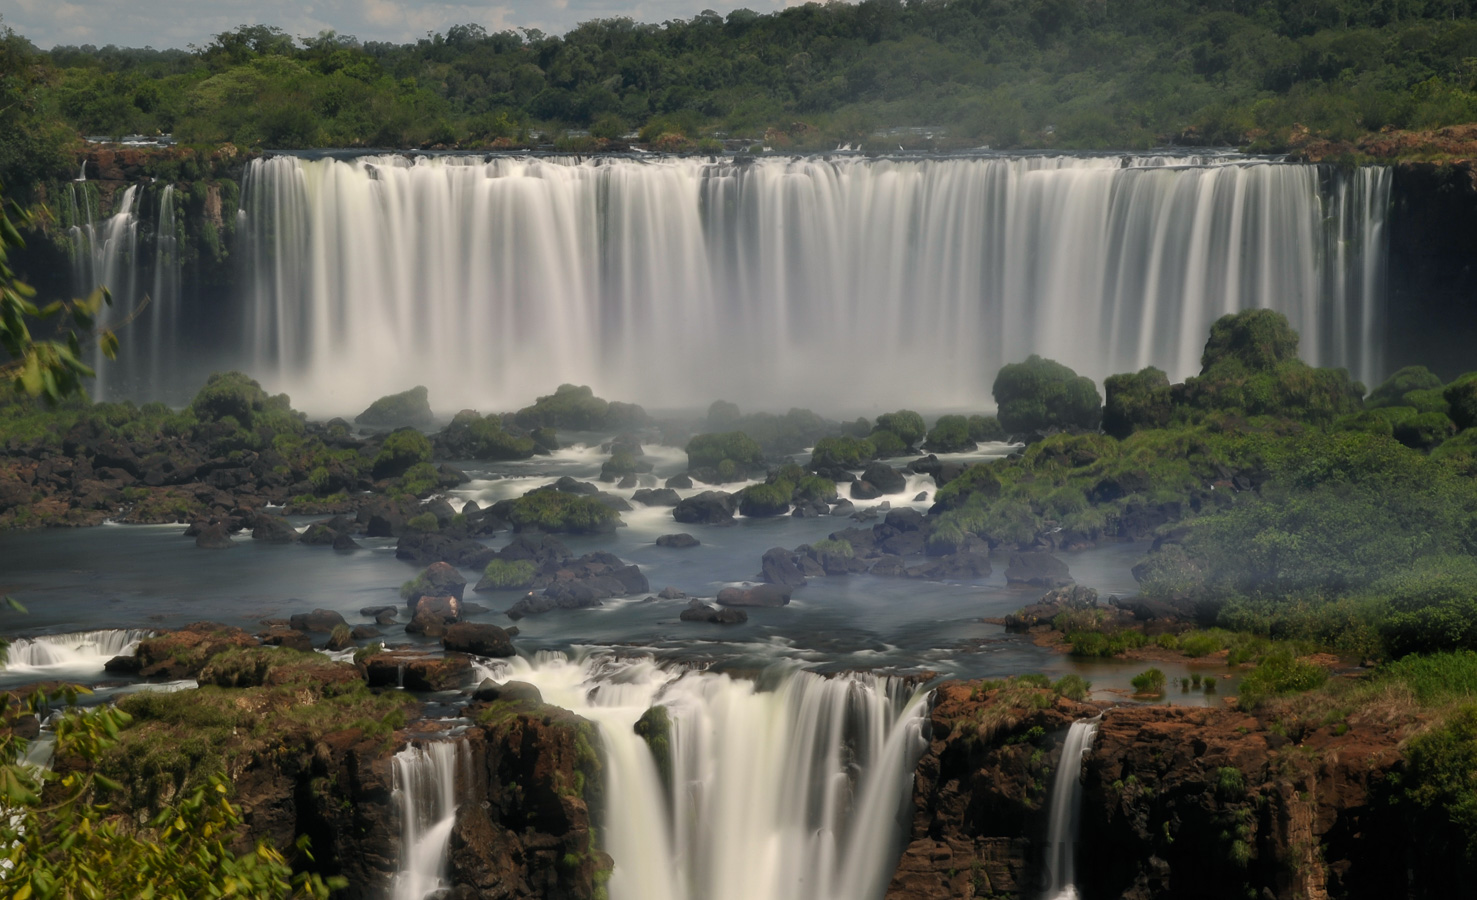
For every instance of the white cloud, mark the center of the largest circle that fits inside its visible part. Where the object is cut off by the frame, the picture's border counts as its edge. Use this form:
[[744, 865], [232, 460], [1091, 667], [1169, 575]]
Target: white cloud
[[178, 23]]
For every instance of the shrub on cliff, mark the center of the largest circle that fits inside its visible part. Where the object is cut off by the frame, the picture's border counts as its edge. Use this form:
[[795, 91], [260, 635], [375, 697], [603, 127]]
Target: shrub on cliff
[[238, 397], [401, 450], [410, 409], [1137, 401], [1042, 393]]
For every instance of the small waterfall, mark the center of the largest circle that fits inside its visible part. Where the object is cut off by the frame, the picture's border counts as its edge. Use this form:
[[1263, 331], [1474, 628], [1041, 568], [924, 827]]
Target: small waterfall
[[425, 782], [80, 650], [1066, 810], [791, 788], [164, 317]]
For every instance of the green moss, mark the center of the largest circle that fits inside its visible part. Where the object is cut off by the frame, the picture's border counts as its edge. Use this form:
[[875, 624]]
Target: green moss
[[504, 574], [766, 499], [950, 434], [742, 452], [842, 453], [814, 487], [557, 512], [485, 438], [411, 408], [836, 547], [655, 728], [401, 450], [424, 523], [1135, 402], [576, 407], [905, 424]]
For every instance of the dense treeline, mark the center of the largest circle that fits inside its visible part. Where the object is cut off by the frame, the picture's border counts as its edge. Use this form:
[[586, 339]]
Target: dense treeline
[[1070, 73]]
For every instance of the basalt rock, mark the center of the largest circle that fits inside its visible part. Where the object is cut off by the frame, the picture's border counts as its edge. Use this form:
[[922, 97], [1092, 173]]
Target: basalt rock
[[273, 530], [678, 541], [183, 652], [416, 671], [320, 621], [438, 579], [657, 497], [707, 508], [478, 639], [758, 595], [214, 536], [779, 568], [425, 549], [1039, 569], [698, 611]]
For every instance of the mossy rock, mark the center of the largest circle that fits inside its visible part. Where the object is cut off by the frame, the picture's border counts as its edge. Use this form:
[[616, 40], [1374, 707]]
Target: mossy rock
[[411, 409]]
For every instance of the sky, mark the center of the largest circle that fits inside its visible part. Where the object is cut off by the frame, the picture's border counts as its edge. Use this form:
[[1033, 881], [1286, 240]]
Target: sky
[[165, 24]]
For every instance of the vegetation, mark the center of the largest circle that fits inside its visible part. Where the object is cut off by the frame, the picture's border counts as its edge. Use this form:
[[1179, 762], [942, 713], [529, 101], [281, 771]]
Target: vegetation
[[479, 437], [904, 427], [401, 450], [1040, 393], [505, 574], [575, 407], [844, 452], [554, 512], [412, 408], [725, 456], [775, 435]]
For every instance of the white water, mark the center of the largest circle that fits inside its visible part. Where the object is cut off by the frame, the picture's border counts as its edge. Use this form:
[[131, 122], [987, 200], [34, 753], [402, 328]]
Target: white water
[[822, 281], [81, 651], [1066, 810], [425, 784], [793, 791]]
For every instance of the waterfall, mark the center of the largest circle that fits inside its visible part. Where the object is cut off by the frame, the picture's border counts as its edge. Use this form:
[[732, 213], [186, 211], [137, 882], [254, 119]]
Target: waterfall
[[787, 277], [1066, 810], [164, 317], [793, 787], [80, 650], [425, 782]]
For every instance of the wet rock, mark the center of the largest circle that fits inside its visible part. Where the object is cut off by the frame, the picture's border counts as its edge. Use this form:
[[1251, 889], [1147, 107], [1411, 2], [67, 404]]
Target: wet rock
[[843, 507], [671, 593], [657, 497], [707, 508], [865, 490], [490, 691], [318, 535], [904, 520], [425, 549], [885, 478], [214, 537], [386, 618], [758, 595], [345, 544], [183, 652], [364, 632], [426, 622], [1040, 569], [677, 541], [778, 567], [319, 621], [438, 579], [478, 639], [416, 671], [273, 530], [698, 611], [572, 486], [540, 549], [681, 482], [374, 611], [446, 608]]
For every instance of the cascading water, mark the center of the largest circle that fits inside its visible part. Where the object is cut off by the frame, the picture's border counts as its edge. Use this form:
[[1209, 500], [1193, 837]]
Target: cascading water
[[787, 277], [425, 778], [81, 650], [793, 789], [1066, 811]]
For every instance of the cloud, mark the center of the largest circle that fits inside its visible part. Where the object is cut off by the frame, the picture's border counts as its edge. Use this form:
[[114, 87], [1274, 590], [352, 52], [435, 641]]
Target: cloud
[[180, 23]]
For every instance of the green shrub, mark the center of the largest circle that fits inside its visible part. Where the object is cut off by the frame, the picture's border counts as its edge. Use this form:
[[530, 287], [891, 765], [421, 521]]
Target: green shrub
[[1042, 393], [505, 574], [1199, 643], [986, 428], [1136, 402], [1392, 392], [885, 444], [1073, 687], [1435, 795], [814, 487], [950, 434], [235, 396], [904, 423], [1279, 673], [425, 522], [1149, 681], [576, 407], [420, 479], [401, 450], [838, 547], [842, 453], [709, 451], [485, 438], [765, 499], [1461, 398], [556, 512]]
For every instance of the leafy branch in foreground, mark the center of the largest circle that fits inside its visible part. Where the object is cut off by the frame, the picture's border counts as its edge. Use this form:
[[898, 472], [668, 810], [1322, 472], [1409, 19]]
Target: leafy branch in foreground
[[60, 838], [51, 369]]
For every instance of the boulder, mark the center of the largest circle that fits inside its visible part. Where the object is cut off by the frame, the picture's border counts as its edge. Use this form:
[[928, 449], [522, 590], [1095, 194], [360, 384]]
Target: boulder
[[864, 490], [758, 595], [438, 579], [707, 508], [490, 691], [317, 535], [214, 537], [282, 636], [1051, 604], [427, 623], [319, 621], [478, 639], [1039, 569], [571, 486], [372, 612], [411, 409], [884, 478], [677, 541], [680, 481], [273, 530], [671, 593], [345, 544], [698, 611], [364, 632], [416, 671], [539, 549], [779, 568], [657, 497], [447, 608], [425, 549]]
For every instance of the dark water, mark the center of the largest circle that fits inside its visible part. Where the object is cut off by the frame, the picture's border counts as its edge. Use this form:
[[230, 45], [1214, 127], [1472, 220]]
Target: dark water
[[152, 576]]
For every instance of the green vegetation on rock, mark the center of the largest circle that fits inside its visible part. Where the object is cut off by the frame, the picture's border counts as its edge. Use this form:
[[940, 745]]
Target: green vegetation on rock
[[409, 409], [401, 450], [575, 407], [1041, 393]]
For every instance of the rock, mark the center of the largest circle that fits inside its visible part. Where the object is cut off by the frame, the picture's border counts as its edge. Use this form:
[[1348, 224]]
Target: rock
[[618, 504], [707, 508], [364, 632], [446, 608], [341, 639], [671, 593], [904, 520], [416, 671], [426, 622], [698, 611], [319, 621], [1049, 606], [657, 497], [759, 595], [439, 579], [677, 541], [214, 537], [386, 618], [864, 490], [885, 478], [478, 639], [490, 691], [540, 549], [681, 482], [317, 535], [183, 652], [273, 530], [345, 544], [283, 636], [571, 486], [425, 549], [779, 568], [410, 409], [843, 507], [372, 612], [1040, 569], [922, 496]]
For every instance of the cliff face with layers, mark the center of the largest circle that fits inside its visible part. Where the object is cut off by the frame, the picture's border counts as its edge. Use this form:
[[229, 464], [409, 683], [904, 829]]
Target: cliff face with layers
[[1177, 803]]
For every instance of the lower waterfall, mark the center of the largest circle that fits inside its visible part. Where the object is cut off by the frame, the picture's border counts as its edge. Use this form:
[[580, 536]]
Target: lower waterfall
[[1066, 811], [790, 787], [425, 782], [76, 650]]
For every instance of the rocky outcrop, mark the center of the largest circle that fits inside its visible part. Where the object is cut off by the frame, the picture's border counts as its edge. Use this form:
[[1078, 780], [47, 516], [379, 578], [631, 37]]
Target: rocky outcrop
[[579, 584]]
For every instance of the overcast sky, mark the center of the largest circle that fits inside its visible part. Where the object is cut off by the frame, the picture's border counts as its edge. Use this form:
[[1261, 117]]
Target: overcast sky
[[179, 23]]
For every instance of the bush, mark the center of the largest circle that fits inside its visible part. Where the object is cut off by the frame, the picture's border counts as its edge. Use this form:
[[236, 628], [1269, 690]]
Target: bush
[[504, 574], [1041, 393], [843, 452], [1136, 402], [904, 423], [1199, 643], [1073, 687], [425, 523], [711, 450], [986, 428], [814, 487], [401, 450], [556, 512], [1437, 795], [950, 434], [885, 444], [576, 407], [836, 547], [1392, 392], [1149, 681], [235, 396], [1279, 673], [1461, 398], [1252, 340], [766, 499], [420, 480], [479, 437], [1432, 607]]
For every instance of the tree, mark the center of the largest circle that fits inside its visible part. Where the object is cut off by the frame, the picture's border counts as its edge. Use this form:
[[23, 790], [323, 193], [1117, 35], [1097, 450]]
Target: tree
[[49, 368], [1043, 393]]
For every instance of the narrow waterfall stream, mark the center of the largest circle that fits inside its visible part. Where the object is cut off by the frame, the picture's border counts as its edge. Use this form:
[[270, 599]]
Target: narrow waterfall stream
[[425, 782], [788, 787], [1066, 811], [80, 651]]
